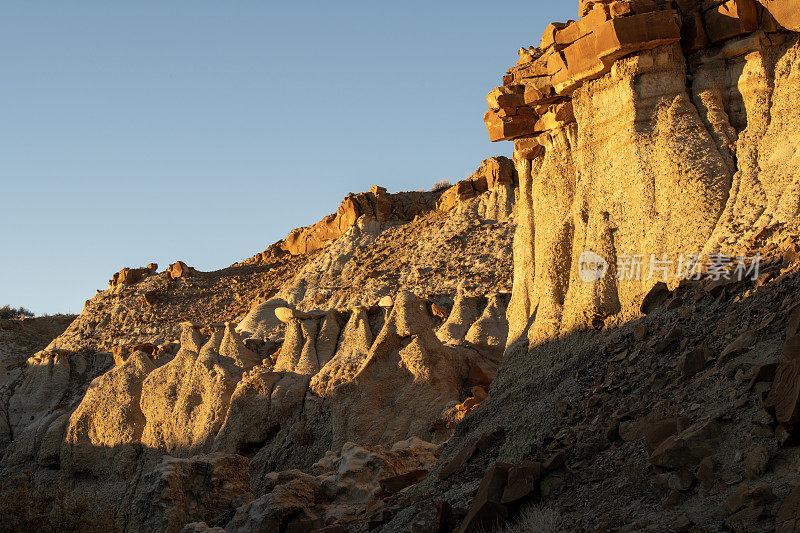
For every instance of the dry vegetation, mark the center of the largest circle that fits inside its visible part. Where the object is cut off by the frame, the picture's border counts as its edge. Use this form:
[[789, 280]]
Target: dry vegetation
[[24, 508]]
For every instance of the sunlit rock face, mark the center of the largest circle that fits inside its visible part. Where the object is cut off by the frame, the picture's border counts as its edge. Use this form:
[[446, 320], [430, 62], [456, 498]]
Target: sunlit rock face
[[643, 136], [314, 383]]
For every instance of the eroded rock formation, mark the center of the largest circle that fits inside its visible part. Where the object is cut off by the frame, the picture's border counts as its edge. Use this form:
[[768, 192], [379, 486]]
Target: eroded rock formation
[[318, 383], [317, 390], [376, 205], [643, 131]]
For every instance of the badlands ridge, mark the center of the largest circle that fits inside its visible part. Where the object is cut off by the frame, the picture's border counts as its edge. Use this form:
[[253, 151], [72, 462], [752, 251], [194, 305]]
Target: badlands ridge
[[443, 361]]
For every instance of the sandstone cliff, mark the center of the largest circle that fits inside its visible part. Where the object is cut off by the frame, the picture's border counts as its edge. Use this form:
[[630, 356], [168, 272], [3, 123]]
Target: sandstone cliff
[[493, 352]]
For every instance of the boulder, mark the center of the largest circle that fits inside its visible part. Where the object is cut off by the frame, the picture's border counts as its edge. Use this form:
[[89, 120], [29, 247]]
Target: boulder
[[656, 297], [695, 360], [285, 314], [705, 473], [129, 276], [757, 461], [179, 269], [748, 496], [787, 519], [657, 432], [509, 128], [784, 396], [523, 478], [486, 511], [203, 488], [357, 473], [687, 448], [292, 501], [730, 19], [785, 12], [398, 482]]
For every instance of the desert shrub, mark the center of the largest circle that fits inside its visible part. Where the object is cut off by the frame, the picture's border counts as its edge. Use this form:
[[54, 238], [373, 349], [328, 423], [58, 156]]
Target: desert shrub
[[26, 508], [14, 312], [534, 518], [541, 519], [441, 184]]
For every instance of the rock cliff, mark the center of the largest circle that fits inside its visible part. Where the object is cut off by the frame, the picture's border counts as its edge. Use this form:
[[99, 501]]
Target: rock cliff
[[602, 333], [644, 130], [269, 364]]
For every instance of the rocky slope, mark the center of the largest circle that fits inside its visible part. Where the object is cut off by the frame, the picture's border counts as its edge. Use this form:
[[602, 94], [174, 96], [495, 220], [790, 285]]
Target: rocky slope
[[279, 360], [373, 372], [643, 130]]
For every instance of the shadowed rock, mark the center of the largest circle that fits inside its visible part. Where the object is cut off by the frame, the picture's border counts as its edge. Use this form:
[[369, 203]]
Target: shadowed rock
[[408, 379]]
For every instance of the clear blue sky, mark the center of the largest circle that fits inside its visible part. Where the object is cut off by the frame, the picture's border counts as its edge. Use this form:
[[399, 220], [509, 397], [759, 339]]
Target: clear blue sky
[[204, 131]]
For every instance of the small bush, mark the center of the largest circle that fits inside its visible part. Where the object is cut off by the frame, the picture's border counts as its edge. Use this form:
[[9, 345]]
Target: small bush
[[14, 312], [536, 518], [441, 184]]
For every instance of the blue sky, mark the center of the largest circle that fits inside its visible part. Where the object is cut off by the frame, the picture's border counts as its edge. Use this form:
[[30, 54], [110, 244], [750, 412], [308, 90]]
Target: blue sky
[[204, 131]]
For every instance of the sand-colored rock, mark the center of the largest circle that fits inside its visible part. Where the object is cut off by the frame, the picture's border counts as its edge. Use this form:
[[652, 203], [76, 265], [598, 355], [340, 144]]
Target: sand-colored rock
[[45, 384], [595, 214], [261, 319], [104, 430], [328, 337], [405, 383], [262, 401], [785, 12], [353, 349], [644, 163], [186, 400], [232, 348], [28, 439], [298, 352], [491, 328], [464, 313], [308, 364]]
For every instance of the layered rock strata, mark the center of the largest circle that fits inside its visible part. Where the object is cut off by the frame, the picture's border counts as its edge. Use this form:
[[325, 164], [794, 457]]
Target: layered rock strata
[[644, 133]]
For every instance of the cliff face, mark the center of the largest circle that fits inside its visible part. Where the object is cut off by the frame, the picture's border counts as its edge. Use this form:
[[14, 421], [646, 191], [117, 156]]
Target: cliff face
[[649, 134], [640, 132], [378, 371]]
